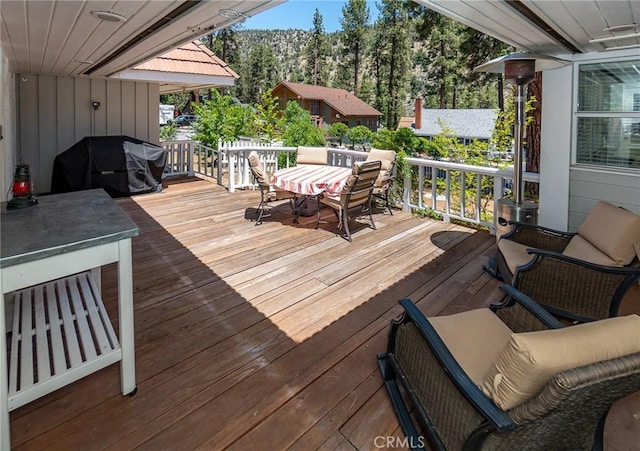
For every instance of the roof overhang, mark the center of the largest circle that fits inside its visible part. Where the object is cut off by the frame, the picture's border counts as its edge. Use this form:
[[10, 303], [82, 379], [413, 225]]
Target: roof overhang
[[189, 67], [66, 38], [558, 27], [176, 82]]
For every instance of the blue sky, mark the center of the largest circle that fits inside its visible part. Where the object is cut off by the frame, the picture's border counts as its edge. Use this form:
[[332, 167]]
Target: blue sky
[[299, 14]]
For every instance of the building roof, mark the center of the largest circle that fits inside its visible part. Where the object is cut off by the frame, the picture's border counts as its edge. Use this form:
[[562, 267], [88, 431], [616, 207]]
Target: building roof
[[471, 123], [193, 58], [340, 100], [189, 67]]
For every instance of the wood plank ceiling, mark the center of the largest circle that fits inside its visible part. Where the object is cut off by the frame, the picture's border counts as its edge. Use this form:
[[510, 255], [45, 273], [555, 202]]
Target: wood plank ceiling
[[66, 38]]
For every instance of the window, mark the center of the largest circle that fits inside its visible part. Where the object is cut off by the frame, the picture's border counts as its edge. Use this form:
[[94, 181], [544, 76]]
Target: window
[[315, 108], [608, 116]]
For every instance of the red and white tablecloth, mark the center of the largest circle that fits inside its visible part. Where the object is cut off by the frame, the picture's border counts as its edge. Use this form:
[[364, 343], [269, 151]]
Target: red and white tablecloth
[[310, 180]]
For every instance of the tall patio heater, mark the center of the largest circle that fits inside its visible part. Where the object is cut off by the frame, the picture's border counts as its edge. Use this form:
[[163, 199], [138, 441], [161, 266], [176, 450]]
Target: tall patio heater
[[519, 70]]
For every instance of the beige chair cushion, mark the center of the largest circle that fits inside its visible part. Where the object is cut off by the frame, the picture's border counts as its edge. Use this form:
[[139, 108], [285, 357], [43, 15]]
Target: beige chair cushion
[[475, 338], [515, 254], [311, 155], [254, 159], [613, 230], [531, 359], [260, 176], [387, 158], [580, 248]]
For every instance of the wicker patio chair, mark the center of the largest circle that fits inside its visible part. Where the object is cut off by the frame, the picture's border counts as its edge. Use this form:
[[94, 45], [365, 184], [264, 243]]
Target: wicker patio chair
[[386, 178], [356, 193], [581, 276], [268, 192], [452, 371]]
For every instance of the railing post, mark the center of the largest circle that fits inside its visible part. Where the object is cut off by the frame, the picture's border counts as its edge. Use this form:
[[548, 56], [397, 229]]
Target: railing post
[[232, 170], [406, 195], [420, 187], [190, 169], [498, 181], [463, 193], [478, 196], [434, 188], [219, 170], [447, 200]]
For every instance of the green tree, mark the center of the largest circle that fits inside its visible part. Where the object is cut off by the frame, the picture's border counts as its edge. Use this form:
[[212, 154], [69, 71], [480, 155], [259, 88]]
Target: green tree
[[220, 120], [360, 135], [342, 77], [394, 39], [445, 70], [354, 21], [258, 73], [297, 129], [339, 131], [268, 115], [383, 139], [478, 48], [224, 44], [502, 136], [405, 139], [168, 132], [317, 51], [379, 65]]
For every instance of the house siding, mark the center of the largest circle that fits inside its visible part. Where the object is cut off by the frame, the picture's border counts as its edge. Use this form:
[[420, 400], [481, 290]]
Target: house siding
[[8, 124], [56, 112], [588, 186], [567, 190]]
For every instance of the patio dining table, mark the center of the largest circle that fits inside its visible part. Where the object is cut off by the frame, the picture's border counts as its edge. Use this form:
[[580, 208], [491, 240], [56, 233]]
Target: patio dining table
[[310, 181]]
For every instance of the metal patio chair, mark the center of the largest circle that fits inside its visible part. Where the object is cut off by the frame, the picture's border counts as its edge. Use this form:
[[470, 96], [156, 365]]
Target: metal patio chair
[[356, 193]]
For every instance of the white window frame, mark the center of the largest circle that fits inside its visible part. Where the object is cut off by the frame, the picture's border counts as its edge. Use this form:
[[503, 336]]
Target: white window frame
[[577, 114]]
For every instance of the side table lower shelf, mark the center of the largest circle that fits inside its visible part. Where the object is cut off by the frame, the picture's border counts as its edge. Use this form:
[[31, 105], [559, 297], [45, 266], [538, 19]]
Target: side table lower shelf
[[61, 333]]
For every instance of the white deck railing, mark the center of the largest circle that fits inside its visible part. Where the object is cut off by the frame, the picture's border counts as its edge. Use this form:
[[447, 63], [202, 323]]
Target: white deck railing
[[456, 191], [235, 158], [179, 157], [191, 157]]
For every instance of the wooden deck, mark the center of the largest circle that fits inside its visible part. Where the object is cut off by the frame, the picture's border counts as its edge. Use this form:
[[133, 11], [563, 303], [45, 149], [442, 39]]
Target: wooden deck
[[263, 337]]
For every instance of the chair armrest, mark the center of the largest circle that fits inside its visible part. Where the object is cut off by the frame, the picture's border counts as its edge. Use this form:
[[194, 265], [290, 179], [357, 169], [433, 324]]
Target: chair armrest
[[539, 237], [521, 313], [574, 288], [543, 253], [483, 404]]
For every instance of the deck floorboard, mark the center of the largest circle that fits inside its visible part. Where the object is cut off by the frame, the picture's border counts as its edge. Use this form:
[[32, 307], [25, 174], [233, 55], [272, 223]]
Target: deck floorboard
[[263, 335]]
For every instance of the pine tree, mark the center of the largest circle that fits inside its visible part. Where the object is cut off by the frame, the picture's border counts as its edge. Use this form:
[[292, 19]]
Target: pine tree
[[317, 51], [224, 45], [478, 48], [379, 69], [393, 41], [258, 73], [446, 68], [354, 21]]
